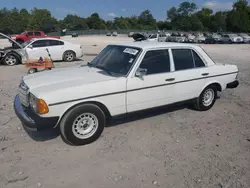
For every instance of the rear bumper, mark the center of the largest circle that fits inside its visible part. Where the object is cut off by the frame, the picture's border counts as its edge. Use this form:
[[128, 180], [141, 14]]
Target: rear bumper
[[31, 120], [233, 84]]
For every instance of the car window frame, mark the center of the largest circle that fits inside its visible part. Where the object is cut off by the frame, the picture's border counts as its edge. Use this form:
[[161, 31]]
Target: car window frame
[[141, 57], [56, 41], [40, 34], [188, 48], [38, 41], [30, 32]]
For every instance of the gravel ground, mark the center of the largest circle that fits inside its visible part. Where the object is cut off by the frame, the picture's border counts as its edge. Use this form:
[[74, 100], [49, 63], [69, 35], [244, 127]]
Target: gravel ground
[[169, 147]]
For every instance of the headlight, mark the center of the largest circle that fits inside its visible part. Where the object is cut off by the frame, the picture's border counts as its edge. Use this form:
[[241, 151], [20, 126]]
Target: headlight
[[38, 105]]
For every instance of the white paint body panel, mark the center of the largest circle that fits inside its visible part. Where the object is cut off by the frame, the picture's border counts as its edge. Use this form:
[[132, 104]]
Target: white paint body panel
[[67, 87]]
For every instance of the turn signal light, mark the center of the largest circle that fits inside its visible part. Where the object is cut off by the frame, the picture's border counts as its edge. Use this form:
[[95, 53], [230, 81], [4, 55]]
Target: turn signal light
[[42, 107]]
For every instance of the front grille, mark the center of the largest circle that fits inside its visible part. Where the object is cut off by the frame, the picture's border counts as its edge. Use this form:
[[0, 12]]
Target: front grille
[[23, 94]]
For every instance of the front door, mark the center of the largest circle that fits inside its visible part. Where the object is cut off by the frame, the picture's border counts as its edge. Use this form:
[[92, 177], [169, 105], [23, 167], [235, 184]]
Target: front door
[[37, 49], [56, 49], [155, 88]]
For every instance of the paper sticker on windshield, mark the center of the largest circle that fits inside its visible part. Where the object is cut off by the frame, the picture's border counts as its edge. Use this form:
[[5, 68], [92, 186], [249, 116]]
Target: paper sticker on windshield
[[130, 51]]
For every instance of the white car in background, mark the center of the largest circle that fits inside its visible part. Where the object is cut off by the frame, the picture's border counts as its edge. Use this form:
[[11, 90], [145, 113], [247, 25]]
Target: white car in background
[[231, 38], [246, 37], [59, 49]]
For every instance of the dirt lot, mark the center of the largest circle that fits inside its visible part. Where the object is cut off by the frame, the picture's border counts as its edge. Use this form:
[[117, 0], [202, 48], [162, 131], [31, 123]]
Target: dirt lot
[[171, 147]]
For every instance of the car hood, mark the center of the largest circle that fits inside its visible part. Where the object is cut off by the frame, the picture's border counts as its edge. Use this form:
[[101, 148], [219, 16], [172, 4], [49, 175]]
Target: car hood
[[64, 78], [11, 40], [139, 37]]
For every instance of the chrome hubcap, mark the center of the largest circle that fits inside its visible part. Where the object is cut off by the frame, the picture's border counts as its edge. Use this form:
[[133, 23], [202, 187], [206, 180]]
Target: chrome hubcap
[[69, 56], [208, 97], [85, 126], [10, 60]]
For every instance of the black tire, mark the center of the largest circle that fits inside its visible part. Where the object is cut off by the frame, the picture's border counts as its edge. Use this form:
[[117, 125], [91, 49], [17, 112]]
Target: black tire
[[69, 56], [200, 103], [11, 59], [67, 124]]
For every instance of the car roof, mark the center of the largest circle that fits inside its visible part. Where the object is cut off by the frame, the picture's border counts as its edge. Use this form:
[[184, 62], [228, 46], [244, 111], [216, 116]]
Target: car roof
[[47, 38], [154, 45]]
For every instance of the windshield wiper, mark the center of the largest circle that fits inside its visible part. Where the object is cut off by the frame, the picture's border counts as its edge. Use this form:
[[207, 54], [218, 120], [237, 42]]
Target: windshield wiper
[[105, 69]]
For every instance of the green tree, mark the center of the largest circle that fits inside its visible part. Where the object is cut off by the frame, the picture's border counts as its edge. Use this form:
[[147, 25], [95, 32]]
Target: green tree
[[147, 20], [41, 19], [186, 8], [74, 22], [204, 15], [25, 18], [164, 25], [239, 18], [218, 21], [95, 22]]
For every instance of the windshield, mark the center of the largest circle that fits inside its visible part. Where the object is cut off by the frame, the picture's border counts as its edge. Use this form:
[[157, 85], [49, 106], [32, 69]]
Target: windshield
[[26, 43], [116, 59]]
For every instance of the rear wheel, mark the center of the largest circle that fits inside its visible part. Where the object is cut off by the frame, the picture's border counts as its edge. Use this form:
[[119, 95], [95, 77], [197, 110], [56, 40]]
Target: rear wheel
[[83, 124], [32, 71], [69, 56], [11, 59], [206, 99]]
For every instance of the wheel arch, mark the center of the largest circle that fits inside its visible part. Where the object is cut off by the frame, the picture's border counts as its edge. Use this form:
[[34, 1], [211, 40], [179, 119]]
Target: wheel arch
[[97, 103], [19, 58], [216, 84]]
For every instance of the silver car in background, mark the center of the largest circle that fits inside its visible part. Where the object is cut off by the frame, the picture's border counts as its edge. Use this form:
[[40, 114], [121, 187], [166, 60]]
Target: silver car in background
[[246, 37], [231, 38]]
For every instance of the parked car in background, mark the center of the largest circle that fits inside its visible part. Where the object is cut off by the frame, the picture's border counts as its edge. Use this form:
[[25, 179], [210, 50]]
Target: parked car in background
[[27, 35], [13, 54], [153, 37], [74, 35], [213, 39], [162, 37], [176, 37], [108, 34], [199, 38], [130, 34], [136, 76], [245, 36], [231, 38], [115, 34], [59, 49], [189, 38]]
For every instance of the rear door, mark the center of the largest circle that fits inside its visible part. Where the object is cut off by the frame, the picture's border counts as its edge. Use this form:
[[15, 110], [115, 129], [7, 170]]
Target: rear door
[[56, 49], [189, 73]]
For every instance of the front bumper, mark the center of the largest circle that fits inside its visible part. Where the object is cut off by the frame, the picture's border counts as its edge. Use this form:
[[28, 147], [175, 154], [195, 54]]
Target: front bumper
[[31, 120], [233, 84]]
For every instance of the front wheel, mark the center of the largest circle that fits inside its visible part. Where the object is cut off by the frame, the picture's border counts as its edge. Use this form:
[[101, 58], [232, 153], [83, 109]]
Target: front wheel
[[11, 60], [83, 124], [206, 99]]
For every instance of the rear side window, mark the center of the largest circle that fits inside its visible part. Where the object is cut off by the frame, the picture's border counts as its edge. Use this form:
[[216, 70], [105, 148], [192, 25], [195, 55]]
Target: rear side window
[[197, 60], [38, 34], [183, 59], [156, 61], [55, 43]]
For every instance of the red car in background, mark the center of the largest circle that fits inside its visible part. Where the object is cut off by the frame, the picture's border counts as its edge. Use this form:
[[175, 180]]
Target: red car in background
[[27, 35]]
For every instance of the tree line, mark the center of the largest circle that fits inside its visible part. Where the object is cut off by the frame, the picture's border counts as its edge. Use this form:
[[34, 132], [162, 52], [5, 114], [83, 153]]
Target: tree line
[[185, 17]]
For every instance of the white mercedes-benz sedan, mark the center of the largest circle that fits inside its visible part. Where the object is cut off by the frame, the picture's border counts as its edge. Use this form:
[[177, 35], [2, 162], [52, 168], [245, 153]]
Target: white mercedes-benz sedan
[[122, 79]]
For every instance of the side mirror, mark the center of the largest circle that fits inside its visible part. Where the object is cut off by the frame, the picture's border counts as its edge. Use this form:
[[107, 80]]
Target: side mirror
[[30, 46], [141, 72]]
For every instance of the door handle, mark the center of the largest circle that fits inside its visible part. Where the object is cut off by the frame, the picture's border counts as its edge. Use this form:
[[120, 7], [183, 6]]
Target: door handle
[[205, 74], [170, 79]]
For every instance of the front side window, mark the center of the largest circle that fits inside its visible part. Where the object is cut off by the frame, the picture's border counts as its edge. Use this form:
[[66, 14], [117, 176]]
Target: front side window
[[156, 61], [30, 33], [39, 43], [183, 59], [115, 59]]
